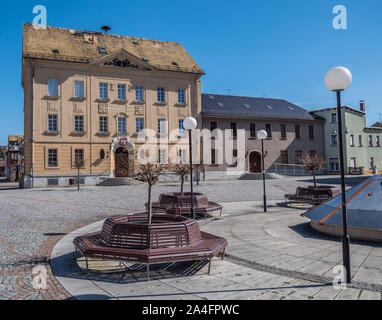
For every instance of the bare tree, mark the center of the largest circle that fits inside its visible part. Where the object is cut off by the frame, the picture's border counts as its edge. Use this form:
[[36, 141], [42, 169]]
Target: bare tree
[[149, 173], [313, 163], [78, 164], [181, 170]]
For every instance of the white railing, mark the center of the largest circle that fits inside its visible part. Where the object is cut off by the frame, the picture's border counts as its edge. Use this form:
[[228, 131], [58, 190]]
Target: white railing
[[289, 169]]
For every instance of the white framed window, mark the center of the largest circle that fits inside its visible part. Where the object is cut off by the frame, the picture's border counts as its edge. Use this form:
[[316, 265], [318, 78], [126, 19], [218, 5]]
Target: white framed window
[[103, 90], [103, 124], [353, 163], [162, 156], [333, 164], [121, 95], [139, 124], [352, 140], [121, 124], [183, 156], [52, 158], [371, 163], [79, 123], [160, 95], [139, 93], [370, 140], [53, 88], [162, 126], [181, 96], [333, 140], [52, 123], [78, 89], [360, 140], [180, 126], [79, 154]]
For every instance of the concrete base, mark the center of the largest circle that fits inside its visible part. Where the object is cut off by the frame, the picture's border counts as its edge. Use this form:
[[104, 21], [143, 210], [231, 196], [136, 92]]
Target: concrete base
[[61, 180], [363, 234]]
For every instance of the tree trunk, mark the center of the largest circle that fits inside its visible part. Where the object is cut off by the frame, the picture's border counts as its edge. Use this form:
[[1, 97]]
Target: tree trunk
[[314, 179], [182, 185], [149, 206], [78, 179]]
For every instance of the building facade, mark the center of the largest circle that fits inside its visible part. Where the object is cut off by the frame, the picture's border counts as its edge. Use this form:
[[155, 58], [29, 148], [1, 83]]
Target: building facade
[[3, 161], [88, 95], [362, 144], [292, 131], [14, 157]]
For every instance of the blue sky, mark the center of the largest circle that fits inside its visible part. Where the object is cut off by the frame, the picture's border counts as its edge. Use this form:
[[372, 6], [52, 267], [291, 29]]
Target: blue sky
[[272, 48]]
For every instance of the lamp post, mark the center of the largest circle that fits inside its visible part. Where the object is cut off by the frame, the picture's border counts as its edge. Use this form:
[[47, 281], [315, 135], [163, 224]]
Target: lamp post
[[190, 124], [339, 79], [262, 135]]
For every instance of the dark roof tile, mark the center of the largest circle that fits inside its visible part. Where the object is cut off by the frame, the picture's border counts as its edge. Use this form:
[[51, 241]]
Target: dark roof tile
[[224, 105]]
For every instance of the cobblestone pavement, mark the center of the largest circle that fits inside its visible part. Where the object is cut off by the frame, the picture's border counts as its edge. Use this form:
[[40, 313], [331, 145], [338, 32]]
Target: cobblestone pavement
[[32, 221]]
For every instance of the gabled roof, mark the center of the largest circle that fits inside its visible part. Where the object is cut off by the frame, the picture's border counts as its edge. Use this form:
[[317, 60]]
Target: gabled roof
[[15, 137], [335, 109], [223, 105], [83, 46], [377, 125]]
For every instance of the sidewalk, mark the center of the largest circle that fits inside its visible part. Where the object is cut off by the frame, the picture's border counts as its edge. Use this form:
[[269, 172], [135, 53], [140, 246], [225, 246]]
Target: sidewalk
[[264, 252], [281, 241]]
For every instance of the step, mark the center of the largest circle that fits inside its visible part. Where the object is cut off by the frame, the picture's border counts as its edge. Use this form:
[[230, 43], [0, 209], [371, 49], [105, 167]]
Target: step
[[118, 181], [259, 176]]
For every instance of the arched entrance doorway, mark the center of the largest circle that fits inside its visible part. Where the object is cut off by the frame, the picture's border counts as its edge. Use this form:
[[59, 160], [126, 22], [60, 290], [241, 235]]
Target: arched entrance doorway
[[255, 162], [121, 162]]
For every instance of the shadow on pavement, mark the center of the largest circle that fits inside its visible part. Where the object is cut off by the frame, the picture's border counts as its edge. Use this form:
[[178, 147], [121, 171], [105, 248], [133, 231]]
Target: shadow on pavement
[[67, 267], [351, 181], [306, 231]]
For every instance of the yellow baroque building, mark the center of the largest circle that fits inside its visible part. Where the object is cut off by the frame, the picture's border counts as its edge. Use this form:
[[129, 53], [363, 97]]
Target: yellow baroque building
[[88, 95]]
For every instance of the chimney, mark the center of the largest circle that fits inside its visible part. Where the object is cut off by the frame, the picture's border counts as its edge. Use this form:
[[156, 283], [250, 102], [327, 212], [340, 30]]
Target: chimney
[[362, 105]]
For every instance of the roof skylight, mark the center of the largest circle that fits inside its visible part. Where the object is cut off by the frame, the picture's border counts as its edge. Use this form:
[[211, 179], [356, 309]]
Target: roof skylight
[[220, 104], [211, 97], [269, 107], [290, 108], [247, 106], [102, 50]]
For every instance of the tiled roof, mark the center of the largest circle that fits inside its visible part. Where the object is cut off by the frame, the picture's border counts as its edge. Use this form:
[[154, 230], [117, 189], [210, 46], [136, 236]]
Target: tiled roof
[[82, 46], [377, 125], [224, 105], [15, 137]]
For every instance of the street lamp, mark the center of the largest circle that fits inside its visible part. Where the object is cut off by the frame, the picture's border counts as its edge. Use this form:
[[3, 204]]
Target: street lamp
[[339, 79], [190, 124], [262, 135]]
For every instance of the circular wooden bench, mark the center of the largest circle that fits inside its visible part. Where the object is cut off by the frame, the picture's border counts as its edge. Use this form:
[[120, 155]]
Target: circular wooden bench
[[168, 239], [175, 200]]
